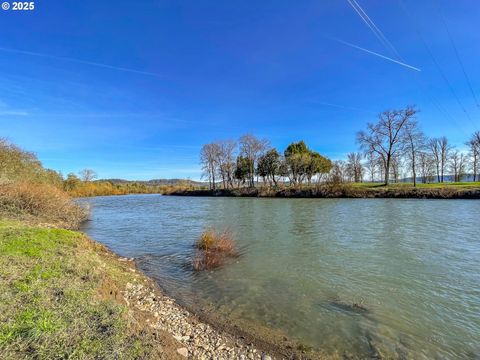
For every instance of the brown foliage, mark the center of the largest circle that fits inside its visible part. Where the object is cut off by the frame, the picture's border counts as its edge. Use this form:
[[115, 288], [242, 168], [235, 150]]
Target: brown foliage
[[40, 203], [214, 249]]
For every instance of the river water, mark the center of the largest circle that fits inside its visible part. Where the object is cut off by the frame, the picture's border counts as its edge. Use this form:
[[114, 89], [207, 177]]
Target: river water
[[413, 266]]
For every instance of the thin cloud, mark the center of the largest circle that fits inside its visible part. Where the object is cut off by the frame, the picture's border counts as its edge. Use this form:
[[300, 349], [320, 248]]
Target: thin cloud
[[13, 113], [343, 106], [374, 53], [78, 61]]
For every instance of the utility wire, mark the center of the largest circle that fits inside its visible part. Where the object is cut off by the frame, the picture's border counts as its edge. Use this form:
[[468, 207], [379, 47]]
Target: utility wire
[[437, 65], [387, 44], [458, 55]]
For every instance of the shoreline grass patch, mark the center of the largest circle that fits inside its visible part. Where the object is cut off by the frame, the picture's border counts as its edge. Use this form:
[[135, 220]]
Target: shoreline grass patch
[[53, 302]]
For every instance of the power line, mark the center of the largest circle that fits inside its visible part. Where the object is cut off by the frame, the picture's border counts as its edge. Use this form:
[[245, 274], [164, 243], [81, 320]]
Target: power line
[[387, 44], [434, 60], [458, 55]]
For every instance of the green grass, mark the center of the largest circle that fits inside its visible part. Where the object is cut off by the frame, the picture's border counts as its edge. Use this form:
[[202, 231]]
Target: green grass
[[460, 185], [50, 300]]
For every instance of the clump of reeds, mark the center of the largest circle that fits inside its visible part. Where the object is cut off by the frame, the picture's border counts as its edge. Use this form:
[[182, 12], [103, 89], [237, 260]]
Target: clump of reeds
[[38, 202], [214, 248]]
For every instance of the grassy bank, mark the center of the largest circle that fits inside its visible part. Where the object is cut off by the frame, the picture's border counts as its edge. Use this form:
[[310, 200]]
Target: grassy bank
[[363, 190], [60, 298], [63, 295]]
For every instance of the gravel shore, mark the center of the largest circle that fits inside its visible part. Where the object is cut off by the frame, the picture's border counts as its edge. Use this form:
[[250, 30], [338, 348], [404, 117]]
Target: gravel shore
[[195, 339]]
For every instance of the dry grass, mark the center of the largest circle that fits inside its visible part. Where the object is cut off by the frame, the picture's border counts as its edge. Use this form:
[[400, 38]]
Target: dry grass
[[214, 249], [207, 239], [208, 260], [40, 203]]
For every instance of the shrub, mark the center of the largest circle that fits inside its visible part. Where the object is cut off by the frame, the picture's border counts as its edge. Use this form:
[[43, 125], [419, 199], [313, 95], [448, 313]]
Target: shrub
[[207, 239], [214, 249], [225, 243], [18, 165], [36, 202]]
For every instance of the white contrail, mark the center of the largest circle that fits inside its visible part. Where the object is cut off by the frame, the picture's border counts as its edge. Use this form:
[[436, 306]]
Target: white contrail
[[374, 28], [376, 54], [91, 63]]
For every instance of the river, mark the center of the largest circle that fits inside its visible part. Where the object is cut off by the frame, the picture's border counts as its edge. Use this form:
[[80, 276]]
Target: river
[[412, 266]]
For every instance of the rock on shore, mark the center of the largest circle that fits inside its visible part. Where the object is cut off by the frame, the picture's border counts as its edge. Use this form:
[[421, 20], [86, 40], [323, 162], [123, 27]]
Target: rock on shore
[[195, 339]]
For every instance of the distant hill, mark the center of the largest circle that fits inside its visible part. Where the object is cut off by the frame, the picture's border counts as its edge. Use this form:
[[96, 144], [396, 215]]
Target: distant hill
[[155, 182]]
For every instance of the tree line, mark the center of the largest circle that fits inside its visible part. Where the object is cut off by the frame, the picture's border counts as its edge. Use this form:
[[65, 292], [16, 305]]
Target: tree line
[[395, 146], [234, 164], [391, 149], [21, 166]]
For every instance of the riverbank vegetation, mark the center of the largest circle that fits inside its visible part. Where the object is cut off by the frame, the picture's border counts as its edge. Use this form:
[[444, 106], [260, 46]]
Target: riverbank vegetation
[[31, 193], [77, 187], [64, 296], [60, 293], [20, 166], [60, 298], [354, 190], [214, 249], [392, 150]]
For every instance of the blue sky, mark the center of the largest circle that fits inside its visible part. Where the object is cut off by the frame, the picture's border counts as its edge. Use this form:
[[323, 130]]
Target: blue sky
[[133, 89]]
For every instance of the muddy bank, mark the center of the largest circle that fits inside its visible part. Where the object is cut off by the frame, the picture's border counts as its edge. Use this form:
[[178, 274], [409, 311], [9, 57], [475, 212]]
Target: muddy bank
[[342, 191]]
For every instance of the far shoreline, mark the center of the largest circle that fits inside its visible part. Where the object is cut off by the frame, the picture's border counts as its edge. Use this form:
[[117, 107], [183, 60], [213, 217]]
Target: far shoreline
[[343, 191]]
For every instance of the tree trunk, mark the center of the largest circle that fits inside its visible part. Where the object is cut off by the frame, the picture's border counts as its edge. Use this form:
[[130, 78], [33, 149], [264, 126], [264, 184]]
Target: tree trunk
[[413, 170], [443, 168], [387, 170], [213, 179], [474, 168]]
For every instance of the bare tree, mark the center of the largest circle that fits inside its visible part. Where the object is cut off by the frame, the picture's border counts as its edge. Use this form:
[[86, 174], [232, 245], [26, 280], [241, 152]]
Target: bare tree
[[226, 161], [87, 175], [474, 153], [414, 141], [209, 155], [251, 148], [426, 165], [434, 146], [445, 149], [371, 165], [354, 167], [440, 150], [457, 165], [396, 167], [337, 173], [385, 137]]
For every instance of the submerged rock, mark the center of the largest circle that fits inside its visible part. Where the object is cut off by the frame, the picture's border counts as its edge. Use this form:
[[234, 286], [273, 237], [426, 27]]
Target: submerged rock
[[352, 308]]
